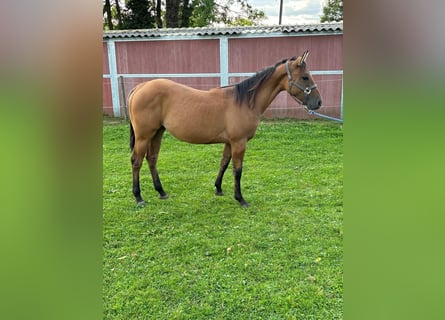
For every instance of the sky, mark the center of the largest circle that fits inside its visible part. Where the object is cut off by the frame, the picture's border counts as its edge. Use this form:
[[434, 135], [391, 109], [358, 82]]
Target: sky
[[294, 11]]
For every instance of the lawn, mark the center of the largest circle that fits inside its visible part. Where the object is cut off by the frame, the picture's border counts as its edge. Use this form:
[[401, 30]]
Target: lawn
[[200, 256]]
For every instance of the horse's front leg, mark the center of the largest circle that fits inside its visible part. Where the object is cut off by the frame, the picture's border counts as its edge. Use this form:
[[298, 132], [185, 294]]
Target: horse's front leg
[[225, 160], [238, 150]]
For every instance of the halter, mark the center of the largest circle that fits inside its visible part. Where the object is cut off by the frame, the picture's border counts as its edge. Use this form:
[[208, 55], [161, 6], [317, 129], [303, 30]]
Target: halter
[[292, 83]]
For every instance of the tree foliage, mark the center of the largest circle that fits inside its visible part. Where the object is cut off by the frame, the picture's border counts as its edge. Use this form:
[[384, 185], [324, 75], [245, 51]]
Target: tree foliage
[[142, 14], [139, 14], [332, 11]]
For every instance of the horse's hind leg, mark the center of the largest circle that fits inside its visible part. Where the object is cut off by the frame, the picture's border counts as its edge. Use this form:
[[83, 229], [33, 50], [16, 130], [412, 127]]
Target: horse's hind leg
[[225, 160], [152, 158], [137, 156]]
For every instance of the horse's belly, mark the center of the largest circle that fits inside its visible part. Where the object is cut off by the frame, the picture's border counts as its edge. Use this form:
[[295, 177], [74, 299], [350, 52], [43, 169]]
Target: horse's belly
[[194, 122], [195, 133]]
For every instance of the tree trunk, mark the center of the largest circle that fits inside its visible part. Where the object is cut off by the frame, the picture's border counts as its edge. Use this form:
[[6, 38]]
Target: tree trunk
[[119, 15], [158, 14], [187, 10], [172, 13], [107, 10]]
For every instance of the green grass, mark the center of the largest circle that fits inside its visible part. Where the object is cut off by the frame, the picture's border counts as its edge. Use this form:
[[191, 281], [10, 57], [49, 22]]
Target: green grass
[[199, 256]]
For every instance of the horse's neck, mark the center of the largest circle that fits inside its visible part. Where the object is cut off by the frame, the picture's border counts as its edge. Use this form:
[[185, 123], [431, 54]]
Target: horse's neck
[[270, 89]]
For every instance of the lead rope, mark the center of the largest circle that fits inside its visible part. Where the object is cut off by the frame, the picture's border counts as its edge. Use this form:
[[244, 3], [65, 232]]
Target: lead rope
[[323, 115]]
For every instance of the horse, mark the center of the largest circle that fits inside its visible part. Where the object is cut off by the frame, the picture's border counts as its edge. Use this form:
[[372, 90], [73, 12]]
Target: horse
[[229, 115]]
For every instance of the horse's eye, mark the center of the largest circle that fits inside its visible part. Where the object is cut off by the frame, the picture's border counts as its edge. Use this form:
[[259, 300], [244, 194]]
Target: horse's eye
[[305, 78]]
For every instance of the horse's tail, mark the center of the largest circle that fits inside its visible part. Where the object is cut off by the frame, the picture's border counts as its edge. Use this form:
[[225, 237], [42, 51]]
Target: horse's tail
[[132, 138]]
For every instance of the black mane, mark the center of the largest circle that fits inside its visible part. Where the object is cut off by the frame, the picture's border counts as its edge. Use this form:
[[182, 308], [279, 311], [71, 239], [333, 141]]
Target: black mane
[[246, 89]]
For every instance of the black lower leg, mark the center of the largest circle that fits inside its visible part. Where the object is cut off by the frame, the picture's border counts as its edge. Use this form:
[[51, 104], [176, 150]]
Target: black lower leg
[[155, 176], [222, 170], [238, 196], [158, 186], [137, 192], [136, 186], [225, 160]]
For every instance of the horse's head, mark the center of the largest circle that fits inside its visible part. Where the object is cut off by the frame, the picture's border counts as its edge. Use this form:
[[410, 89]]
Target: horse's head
[[300, 84]]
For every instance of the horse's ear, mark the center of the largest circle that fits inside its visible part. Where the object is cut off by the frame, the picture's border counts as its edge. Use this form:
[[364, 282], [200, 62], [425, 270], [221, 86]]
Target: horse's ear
[[304, 57]]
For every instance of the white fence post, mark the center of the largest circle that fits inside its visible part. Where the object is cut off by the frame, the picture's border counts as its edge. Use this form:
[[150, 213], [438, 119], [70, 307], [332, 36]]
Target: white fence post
[[341, 100], [224, 60], [113, 78]]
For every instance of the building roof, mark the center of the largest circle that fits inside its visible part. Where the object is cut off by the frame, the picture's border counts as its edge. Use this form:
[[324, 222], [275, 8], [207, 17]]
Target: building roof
[[228, 31]]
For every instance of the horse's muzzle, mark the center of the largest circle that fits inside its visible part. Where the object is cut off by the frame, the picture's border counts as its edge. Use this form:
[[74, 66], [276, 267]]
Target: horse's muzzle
[[313, 104]]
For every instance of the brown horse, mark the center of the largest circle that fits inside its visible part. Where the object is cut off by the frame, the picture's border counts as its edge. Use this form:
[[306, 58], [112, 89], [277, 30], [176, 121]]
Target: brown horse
[[228, 115]]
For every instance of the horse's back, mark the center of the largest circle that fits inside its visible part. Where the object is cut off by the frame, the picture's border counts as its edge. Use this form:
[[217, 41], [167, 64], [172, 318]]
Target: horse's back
[[166, 91]]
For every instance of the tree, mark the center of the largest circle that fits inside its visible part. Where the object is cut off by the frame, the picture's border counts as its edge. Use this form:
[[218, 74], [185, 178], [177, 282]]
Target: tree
[[139, 14], [158, 14], [144, 14], [107, 10], [172, 13], [244, 15], [186, 13], [118, 14], [332, 11], [231, 12]]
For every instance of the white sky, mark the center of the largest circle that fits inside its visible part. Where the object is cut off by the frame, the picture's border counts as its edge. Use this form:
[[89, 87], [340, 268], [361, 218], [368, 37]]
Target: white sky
[[294, 11]]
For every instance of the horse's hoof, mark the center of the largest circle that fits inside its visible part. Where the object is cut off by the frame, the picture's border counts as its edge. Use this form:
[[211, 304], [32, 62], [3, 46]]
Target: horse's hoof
[[141, 204], [219, 193], [244, 204], [163, 196]]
